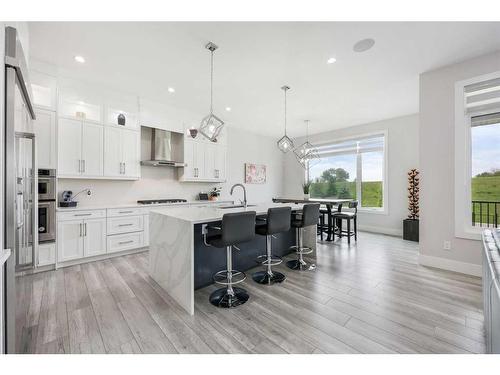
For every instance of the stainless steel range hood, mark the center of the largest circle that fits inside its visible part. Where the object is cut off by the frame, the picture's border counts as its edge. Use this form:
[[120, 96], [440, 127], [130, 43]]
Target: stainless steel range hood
[[162, 151]]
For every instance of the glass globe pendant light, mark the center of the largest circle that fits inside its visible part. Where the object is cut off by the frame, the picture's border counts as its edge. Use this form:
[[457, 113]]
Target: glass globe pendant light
[[306, 154], [285, 144], [211, 125]]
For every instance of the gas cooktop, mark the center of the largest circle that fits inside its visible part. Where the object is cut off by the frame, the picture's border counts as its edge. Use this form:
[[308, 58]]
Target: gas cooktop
[[161, 201]]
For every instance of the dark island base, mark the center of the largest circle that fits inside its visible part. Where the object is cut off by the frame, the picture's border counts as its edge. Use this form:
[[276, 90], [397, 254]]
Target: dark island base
[[209, 260]]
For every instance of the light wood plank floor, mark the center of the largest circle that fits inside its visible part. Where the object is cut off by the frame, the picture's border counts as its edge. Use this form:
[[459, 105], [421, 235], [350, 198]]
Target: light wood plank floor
[[370, 297]]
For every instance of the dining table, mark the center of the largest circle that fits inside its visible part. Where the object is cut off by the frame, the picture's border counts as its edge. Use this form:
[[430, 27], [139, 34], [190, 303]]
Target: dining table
[[328, 202]]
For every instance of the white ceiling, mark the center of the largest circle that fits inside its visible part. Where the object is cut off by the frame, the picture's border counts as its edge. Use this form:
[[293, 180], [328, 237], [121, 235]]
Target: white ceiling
[[255, 59]]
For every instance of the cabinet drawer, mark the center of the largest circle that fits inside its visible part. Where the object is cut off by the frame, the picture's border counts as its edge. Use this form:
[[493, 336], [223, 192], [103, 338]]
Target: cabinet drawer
[[46, 254], [125, 224], [84, 214], [121, 242], [112, 212]]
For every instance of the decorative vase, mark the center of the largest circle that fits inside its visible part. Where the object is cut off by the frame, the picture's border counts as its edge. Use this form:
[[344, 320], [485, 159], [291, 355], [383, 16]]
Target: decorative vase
[[307, 196], [193, 132], [121, 119]]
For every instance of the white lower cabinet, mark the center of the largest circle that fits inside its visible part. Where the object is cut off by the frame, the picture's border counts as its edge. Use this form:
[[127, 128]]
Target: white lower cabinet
[[80, 238], [146, 230], [46, 254], [69, 240], [94, 237], [122, 242]]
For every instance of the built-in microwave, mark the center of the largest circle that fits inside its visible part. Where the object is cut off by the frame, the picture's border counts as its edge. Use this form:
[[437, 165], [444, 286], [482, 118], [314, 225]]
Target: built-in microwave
[[46, 221], [46, 184]]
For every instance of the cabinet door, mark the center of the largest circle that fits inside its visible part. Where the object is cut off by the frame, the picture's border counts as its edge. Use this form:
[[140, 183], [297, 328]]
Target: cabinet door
[[69, 240], [199, 160], [130, 153], [189, 160], [70, 147], [210, 167], [45, 132], [112, 152], [94, 234], [92, 150], [220, 162], [146, 230]]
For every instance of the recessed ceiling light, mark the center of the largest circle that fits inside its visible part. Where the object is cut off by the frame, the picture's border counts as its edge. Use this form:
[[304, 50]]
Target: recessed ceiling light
[[331, 60], [171, 89], [79, 59], [228, 109], [363, 45]]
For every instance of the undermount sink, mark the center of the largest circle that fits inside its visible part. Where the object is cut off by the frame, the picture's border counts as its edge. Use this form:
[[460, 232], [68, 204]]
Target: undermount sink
[[236, 206]]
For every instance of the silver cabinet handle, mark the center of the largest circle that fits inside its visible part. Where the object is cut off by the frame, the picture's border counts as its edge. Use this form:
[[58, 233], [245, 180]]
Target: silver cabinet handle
[[124, 168], [85, 235], [125, 225], [80, 226], [125, 212], [125, 242], [121, 168], [79, 166], [82, 214], [84, 166]]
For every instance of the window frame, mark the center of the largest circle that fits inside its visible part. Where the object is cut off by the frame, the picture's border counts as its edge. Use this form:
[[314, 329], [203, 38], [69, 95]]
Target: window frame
[[463, 159], [384, 210]]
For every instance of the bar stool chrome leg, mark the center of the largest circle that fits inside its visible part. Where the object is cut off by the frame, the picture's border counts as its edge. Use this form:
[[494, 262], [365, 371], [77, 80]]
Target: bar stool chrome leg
[[229, 297], [300, 264], [269, 277]]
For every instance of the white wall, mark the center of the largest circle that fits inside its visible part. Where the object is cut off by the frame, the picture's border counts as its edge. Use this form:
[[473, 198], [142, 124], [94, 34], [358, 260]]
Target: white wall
[[402, 153], [437, 132], [162, 182]]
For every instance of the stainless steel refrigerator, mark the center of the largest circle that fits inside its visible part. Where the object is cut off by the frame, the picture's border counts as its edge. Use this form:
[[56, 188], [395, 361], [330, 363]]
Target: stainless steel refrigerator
[[19, 203]]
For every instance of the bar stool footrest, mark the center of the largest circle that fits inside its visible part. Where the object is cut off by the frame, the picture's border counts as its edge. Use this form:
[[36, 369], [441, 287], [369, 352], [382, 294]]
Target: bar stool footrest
[[273, 261], [221, 277]]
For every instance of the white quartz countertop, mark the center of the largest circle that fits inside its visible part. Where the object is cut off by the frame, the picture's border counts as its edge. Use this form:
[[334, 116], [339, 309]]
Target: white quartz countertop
[[197, 215], [134, 205]]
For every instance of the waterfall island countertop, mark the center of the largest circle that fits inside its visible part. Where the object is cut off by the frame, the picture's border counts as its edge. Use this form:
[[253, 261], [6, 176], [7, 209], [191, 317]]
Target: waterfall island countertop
[[180, 262]]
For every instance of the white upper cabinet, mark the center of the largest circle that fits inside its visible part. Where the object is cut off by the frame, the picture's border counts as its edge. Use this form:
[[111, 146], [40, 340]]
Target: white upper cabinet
[[44, 89], [121, 153], [69, 147], [204, 161], [81, 149], [92, 150], [46, 138]]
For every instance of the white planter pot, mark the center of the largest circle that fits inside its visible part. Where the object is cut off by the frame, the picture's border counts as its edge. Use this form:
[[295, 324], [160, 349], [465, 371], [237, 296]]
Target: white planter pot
[[307, 196]]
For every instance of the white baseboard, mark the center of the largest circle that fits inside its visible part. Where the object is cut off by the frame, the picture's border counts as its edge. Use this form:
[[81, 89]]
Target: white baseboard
[[450, 265], [374, 229]]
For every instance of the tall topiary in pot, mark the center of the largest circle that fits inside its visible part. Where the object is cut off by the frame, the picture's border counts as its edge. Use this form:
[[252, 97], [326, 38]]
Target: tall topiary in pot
[[410, 225]]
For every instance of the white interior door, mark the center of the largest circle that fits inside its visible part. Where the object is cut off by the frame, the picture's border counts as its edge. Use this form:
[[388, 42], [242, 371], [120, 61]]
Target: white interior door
[[130, 152], [69, 240], [45, 131], [92, 150], [70, 147], [94, 234], [112, 152]]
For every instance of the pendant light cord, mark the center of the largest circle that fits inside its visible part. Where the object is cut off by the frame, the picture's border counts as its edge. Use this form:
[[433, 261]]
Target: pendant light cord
[[285, 112], [211, 81]]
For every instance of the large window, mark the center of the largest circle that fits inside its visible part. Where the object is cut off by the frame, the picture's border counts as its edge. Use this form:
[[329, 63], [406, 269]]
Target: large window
[[351, 169], [485, 173], [477, 155]]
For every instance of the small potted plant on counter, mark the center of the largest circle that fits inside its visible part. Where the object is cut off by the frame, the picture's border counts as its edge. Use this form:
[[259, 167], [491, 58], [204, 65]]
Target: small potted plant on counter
[[214, 194], [306, 186]]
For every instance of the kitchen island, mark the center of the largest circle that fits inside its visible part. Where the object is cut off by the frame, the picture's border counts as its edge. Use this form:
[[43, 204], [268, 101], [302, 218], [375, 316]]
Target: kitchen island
[[180, 262]]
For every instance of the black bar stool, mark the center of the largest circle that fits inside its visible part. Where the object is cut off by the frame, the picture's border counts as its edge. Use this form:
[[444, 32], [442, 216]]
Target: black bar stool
[[309, 216], [277, 221], [323, 226], [348, 216], [236, 228]]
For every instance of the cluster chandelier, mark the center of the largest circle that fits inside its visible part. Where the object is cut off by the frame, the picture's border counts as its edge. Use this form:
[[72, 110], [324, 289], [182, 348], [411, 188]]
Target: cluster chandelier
[[211, 125]]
